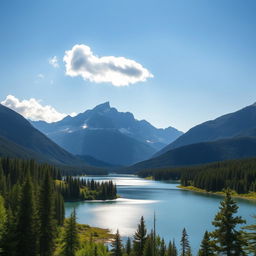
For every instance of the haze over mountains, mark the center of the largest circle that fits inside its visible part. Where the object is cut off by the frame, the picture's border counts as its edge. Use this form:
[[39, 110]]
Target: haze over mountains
[[106, 134], [231, 136]]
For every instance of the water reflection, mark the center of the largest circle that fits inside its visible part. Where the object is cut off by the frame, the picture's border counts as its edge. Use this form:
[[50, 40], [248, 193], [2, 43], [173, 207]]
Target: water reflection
[[174, 209]]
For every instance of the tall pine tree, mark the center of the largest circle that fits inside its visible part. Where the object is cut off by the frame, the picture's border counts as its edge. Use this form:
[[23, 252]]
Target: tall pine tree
[[3, 223], [227, 239], [117, 245], [140, 237], [184, 243], [70, 238], [172, 249], [149, 245], [46, 216], [27, 222], [206, 248], [128, 247]]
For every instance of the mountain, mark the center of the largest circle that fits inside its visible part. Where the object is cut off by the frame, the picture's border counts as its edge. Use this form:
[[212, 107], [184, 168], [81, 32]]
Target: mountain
[[201, 153], [106, 134], [95, 162], [242, 122], [18, 138]]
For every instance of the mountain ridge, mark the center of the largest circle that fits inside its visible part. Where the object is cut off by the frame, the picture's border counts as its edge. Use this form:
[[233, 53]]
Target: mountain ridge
[[81, 135], [226, 126], [201, 153], [20, 139]]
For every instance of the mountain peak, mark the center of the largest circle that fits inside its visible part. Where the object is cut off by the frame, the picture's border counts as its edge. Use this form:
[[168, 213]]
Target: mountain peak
[[103, 106]]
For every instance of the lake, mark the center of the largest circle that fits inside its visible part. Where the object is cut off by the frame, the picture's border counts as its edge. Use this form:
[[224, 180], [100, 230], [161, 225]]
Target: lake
[[174, 209]]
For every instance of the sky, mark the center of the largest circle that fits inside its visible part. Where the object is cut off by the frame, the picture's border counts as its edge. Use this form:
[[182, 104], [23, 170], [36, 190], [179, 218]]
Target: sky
[[172, 62]]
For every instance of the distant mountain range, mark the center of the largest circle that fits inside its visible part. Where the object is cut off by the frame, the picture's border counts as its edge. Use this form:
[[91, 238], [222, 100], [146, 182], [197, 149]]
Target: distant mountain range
[[201, 153], [18, 138], [239, 123], [118, 139], [106, 134], [232, 136]]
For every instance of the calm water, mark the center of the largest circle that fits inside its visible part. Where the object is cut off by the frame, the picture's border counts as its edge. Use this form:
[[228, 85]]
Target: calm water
[[174, 208]]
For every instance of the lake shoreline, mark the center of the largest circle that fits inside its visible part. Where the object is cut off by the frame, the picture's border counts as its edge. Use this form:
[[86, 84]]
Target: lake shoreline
[[250, 196]]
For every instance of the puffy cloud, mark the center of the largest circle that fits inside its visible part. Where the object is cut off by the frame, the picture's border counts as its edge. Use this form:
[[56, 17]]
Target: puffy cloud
[[80, 61], [54, 62], [33, 110]]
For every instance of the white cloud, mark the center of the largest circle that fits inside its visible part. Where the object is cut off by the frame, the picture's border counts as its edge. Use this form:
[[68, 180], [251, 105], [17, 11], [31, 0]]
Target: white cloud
[[80, 61], [33, 109], [54, 62]]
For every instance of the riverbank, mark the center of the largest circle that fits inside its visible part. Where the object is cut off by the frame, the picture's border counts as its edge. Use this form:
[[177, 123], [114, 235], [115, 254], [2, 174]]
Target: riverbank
[[250, 196]]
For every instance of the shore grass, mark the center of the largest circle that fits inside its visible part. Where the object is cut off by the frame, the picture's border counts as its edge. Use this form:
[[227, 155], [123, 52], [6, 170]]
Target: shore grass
[[95, 234], [86, 233], [149, 178], [249, 196]]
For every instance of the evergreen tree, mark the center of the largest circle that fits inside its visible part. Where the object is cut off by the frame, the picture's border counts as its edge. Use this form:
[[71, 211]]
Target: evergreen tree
[[184, 242], [172, 249], [189, 252], [9, 241], [206, 248], [70, 238], [227, 239], [128, 247], [46, 216], [250, 237], [3, 223], [162, 248], [27, 222], [140, 237], [117, 245], [149, 246]]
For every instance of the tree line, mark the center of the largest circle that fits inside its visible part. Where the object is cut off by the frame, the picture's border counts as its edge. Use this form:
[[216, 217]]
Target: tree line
[[32, 211], [31, 208], [238, 175], [75, 189]]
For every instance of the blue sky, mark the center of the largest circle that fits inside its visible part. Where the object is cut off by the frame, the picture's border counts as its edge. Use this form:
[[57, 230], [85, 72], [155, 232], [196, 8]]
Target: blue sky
[[202, 54]]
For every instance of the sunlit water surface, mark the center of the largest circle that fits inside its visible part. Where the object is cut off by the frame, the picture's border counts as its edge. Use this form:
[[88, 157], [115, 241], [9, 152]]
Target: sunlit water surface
[[174, 208]]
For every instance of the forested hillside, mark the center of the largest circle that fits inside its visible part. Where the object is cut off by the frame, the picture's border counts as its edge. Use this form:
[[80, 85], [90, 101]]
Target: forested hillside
[[239, 123], [202, 153], [32, 205], [238, 175]]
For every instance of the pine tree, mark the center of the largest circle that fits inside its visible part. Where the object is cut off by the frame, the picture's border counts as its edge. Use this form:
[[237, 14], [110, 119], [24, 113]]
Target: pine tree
[[9, 242], [185, 247], [172, 249], [149, 245], [162, 248], [27, 222], [46, 216], [70, 239], [128, 247], [140, 237], [206, 248], [3, 223], [227, 239], [117, 245], [59, 208], [250, 237]]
